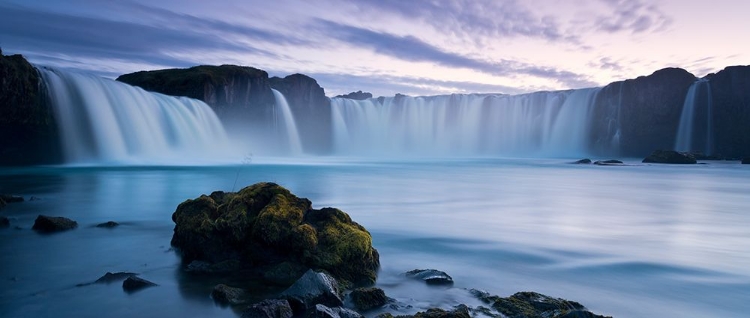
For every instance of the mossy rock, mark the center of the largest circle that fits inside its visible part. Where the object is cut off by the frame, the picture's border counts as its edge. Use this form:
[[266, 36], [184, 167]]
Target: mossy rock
[[268, 228]]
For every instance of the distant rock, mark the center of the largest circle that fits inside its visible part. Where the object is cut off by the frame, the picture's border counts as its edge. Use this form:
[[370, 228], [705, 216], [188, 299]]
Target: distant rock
[[4, 222], [746, 160], [670, 156], [583, 161], [108, 224], [134, 283], [227, 295], [49, 224], [431, 276], [266, 228], [269, 308], [610, 162], [368, 298], [358, 95], [312, 289]]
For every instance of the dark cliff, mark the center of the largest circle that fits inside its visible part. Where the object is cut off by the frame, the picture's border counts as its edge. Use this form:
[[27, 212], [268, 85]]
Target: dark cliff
[[358, 95], [27, 123], [636, 116], [311, 108], [730, 101]]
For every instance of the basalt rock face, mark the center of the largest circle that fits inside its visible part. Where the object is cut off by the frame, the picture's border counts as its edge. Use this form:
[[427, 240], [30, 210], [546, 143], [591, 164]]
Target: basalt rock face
[[636, 116], [28, 133], [311, 109], [730, 92], [268, 229], [237, 94]]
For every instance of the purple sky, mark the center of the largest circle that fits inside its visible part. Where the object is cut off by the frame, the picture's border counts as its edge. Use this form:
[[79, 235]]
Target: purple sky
[[388, 46]]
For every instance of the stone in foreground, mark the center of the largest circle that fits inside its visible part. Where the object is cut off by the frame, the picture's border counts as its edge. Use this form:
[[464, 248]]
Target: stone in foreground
[[49, 224], [531, 304], [269, 308], [431, 276], [368, 298], [670, 156], [134, 283], [312, 289], [228, 295], [321, 311], [266, 228]]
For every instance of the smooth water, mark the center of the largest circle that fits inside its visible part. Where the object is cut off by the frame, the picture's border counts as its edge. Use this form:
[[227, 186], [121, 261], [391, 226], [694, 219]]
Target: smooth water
[[632, 241]]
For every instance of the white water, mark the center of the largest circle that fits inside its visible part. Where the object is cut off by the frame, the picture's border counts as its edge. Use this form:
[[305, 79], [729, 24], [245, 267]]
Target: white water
[[287, 120], [686, 133], [102, 121], [544, 123]]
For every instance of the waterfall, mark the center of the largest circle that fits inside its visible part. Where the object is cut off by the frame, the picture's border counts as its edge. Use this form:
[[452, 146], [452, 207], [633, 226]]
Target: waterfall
[[287, 120], [694, 134], [544, 123], [102, 121]]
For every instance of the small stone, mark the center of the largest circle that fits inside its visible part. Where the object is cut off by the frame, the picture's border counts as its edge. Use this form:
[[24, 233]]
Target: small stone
[[368, 298], [269, 308], [113, 277], [610, 162], [108, 224], [311, 289], [48, 224], [431, 276], [134, 283], [321, 311], [583, 161]]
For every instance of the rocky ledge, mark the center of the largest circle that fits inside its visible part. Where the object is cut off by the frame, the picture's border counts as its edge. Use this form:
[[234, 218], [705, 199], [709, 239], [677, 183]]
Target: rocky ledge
[[670, 156]]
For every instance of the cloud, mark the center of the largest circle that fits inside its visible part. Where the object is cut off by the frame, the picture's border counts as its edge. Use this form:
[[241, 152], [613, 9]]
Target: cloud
[[632, 16]]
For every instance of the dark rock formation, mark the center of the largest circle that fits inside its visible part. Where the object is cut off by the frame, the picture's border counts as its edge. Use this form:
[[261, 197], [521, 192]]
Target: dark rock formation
[[635, 116], [27, 123], [583, 161], [531, 304], [312, 289], [4, 222], [460, 311], [311, 109], [48, 224], [431, 276], [321, 311], [610, 162], [265, 227], [134, 283], [670, 156], [746, 161], [368, 298], [108, 224], [227, 295], [730, 92], [109, 278], [269, 308], [358, 95], [11, 198]]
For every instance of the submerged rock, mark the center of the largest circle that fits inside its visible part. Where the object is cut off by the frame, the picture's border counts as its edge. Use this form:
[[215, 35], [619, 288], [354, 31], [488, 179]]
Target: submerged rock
[[228, 295], [431, 276], [108, 224], [264, 226], [531, 304], [113, 277], [670, 156], [583, 161], [48, 224], [312, 289], [610, 162], [269, 308], [368, 298], [134, 283]]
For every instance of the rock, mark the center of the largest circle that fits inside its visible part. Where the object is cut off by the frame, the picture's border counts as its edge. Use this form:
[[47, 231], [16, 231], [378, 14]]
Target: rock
[[746, 160], [201, 267], [531, 304], [11, 198], [358, 95], [48, 224], [610, 162], [670, 156], [321, 311], [228, 295], [431, 276], [311, 289], [311, 109], [114, 277], [461, 311], [368, 298], [108, 224], [264, 226], [134, 283], [269, 308], [583, 161], [4, 222]]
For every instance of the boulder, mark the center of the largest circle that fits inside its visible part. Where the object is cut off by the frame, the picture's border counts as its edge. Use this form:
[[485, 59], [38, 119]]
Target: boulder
[[368, 298], [312, 289], [48, 224], [531, 304], [4, 222], [610, 162], [358, 95], [431, 276], [134, 283], [227, 295], [670, 156], [321, 311], [108, 224], [583, 161], [746, 160], [269, 308], [264, 227]]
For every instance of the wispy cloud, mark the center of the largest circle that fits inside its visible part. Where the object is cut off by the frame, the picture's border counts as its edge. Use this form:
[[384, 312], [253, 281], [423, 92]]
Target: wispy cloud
[[634, 16]]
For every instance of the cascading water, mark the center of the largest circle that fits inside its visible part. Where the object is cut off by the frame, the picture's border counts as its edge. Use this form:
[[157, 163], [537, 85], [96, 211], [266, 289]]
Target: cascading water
[[102, 121], [689, 136], [545, 123], [287, 120]]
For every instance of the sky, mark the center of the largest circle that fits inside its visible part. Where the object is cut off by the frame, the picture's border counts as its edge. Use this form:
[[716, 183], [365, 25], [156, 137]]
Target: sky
[[413, 47]]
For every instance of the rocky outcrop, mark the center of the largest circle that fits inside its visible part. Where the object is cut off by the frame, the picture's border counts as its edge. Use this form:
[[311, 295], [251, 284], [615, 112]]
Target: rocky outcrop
[[633, 117], [531, 304], [358, 95], [368, 298], [431, 276], [269, 308], [311, 108], [49, 224], [730, 101], [27, 123], [610, 162], [108, 224], [228, 295], [134, 283], [267, 229], [670, 156]]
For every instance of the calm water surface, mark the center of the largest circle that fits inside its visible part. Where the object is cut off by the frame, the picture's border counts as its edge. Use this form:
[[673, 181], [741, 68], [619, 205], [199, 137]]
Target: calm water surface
[[634, 241]]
